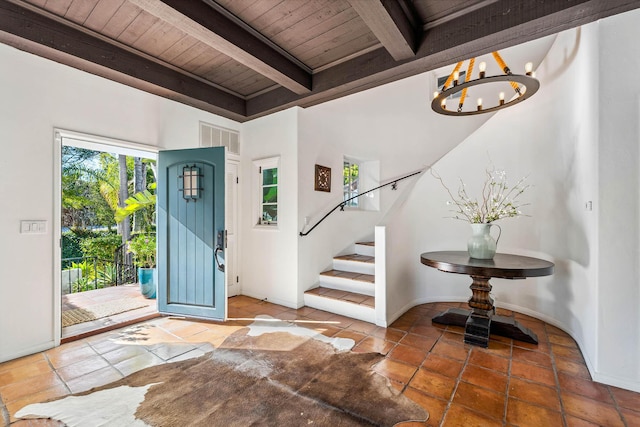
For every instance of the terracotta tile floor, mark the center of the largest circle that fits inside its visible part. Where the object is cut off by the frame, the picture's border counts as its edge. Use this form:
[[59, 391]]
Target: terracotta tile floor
[[509, 384]]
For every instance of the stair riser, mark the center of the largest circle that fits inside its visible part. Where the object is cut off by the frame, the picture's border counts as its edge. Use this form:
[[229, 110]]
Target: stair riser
[[354, 266], [347, 309], [365, 250], [341, 284]]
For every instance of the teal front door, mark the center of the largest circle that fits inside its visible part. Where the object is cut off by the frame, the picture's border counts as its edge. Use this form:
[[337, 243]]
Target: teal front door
[[191, 233]]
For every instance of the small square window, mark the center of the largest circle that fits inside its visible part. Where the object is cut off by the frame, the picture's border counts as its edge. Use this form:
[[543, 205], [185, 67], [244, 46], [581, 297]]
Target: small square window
[[351, 173]]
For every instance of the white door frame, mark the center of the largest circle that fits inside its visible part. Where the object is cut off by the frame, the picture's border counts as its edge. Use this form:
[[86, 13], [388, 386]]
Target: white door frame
[[233, 255], [91, 142]]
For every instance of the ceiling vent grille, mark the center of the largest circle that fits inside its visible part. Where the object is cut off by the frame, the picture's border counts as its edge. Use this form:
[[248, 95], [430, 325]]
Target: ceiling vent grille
[[213, 136]]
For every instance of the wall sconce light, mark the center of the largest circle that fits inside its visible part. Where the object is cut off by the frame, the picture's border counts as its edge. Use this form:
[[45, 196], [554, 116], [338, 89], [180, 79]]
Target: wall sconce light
[[191, 183]]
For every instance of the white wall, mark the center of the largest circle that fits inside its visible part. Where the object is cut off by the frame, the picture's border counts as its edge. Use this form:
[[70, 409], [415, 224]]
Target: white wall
[[37, 96], [553, 140], [392, 124], [619, 225], [577, 139], [270, 254], [389, 125]]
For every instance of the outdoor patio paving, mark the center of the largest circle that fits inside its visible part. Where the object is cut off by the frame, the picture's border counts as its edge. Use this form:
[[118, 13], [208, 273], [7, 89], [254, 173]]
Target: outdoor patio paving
[[101, 297]]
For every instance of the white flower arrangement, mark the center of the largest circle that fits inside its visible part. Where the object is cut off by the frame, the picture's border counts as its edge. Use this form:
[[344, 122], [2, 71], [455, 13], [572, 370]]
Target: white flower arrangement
[[498, 199]]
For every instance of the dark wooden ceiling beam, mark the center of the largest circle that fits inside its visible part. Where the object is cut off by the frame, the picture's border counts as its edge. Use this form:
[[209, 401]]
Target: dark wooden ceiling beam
[[499, 25], [389, 23], [213, 28], [44, 36]]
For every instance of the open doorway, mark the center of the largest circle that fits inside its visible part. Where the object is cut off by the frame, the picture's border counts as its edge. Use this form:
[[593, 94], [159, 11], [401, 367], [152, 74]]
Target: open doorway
[[106, 211]]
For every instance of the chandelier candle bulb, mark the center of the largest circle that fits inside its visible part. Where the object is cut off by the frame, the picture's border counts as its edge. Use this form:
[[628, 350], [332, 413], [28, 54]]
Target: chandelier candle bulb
[[456, 76], [435, 94], [482, 67], [501, 96], [479, 104], [443, 103], [528, 68]]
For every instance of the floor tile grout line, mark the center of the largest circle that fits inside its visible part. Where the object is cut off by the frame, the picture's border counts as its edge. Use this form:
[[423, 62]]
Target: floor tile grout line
[[88, 373], [404, 388], [506, 394], [55, 371], [106, 360], [455, 387], [4, 412], [615, 404], [557, 378]]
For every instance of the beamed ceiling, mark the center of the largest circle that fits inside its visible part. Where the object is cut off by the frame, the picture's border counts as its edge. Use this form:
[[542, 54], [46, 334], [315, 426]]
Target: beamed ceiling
[[243, 59]]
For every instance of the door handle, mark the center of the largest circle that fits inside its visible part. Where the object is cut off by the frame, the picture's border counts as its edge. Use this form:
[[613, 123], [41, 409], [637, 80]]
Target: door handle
[[219, 248], [215, 256]]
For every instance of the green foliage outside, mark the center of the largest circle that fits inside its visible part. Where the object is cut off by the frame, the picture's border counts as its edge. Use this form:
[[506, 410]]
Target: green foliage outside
[[95, 274], [143, 247], [90, 200], [102, 247], [270, 195], [350, 173], [71, 245], [143, 202]]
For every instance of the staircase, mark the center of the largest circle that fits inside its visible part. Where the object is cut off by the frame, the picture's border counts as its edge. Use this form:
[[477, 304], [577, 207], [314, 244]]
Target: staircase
[[349, 288]]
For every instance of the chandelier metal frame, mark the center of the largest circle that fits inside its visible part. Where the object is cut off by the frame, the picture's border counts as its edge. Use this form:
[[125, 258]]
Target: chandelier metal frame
[[524, 87]]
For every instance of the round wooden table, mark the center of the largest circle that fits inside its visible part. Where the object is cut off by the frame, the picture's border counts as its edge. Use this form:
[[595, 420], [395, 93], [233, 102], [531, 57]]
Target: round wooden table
[[481, 320]]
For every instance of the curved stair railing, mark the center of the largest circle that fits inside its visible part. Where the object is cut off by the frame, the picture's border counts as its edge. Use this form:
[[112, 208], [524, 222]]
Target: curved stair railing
[[394, 186]]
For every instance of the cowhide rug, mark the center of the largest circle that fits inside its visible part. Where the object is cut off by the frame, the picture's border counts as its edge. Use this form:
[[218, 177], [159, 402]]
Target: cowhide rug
[[275, 379]]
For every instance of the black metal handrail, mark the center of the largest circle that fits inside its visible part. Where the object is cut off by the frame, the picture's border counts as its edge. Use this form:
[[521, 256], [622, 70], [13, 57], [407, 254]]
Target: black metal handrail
[[126, 271], [341, 205], [99, 272]]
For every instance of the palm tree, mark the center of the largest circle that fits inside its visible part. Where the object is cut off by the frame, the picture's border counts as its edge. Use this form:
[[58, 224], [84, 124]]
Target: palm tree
[[124, 227]]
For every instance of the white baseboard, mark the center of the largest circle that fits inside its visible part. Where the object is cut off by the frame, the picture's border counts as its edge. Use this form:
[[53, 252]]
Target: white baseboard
[[278, 301], [28, 351], [395, 316]]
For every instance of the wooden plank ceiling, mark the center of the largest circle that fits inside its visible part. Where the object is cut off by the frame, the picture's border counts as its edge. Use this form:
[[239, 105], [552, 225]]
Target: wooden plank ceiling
[[247, 58]]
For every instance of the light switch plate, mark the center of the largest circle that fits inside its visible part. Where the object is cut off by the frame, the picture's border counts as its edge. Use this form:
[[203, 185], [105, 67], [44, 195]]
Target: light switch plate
[[33, 227]]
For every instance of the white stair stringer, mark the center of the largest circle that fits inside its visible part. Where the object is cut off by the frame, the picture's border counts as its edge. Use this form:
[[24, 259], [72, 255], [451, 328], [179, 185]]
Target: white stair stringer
[[343, 308]]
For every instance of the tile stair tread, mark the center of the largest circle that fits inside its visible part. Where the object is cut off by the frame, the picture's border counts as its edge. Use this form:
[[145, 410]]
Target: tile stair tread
[[370, 278], [344, 296], [357, 257]]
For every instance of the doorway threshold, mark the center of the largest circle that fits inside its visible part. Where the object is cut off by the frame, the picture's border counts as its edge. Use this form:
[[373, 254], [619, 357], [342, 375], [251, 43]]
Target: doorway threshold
[[87, 311]]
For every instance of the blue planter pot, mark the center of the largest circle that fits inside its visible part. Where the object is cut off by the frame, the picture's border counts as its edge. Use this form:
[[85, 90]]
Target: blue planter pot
[[148, 279]]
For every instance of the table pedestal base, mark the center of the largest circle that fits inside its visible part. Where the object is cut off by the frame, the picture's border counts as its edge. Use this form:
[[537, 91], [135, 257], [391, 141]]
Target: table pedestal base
[[478, 326]]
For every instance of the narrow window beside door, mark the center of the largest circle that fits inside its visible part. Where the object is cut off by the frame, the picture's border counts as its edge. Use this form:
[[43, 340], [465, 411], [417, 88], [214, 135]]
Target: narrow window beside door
[[267, 191]]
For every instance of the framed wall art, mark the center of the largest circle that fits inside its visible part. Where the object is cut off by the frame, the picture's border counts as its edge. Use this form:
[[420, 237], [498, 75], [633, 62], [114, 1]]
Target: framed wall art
[[323, 178]]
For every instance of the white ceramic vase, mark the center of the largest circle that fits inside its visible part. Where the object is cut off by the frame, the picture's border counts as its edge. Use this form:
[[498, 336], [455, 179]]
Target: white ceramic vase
[[481, 244]]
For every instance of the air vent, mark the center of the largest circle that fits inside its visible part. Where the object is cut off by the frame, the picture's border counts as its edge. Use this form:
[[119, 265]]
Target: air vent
[[213, 136]]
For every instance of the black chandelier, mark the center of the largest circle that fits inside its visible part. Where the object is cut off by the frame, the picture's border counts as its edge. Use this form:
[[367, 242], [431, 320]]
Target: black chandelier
[[524, 86]]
